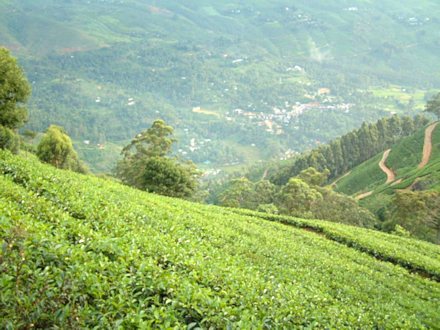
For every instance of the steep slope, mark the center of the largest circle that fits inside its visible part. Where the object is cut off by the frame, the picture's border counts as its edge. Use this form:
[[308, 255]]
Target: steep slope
[[80, 252], [106, 69], [414, 159]]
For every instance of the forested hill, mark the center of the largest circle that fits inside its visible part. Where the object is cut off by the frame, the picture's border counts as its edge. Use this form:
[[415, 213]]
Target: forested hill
[[402, 184], [83, 252], [239, 81], [343, 154]]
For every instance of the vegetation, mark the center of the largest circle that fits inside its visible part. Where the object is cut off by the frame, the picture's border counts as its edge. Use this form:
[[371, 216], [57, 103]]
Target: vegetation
[[410, 201], [110, 78], [302, 196], [14, 92], [344, 153], [9, 140], [417, 212], [86, 252], [145, 165], [56, 149], [166, 177], [82, 252], [433, 106]]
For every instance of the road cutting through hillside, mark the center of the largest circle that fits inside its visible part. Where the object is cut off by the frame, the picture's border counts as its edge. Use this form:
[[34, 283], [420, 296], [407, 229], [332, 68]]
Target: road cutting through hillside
[[390, 174], [364, 195], [427, 145]]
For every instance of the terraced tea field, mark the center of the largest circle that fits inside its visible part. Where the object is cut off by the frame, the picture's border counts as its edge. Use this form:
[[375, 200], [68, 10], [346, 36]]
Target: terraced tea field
[[83, 252]]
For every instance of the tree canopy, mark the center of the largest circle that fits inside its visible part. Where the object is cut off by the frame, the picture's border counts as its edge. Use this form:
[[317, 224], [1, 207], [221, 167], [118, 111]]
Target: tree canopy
[[165, 176], [417, 212], [146, 165], [14, 92], [433, 106], [56, 148]]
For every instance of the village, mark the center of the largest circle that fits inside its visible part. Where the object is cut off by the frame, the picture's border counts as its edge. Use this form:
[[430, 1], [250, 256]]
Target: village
[[281, 117]]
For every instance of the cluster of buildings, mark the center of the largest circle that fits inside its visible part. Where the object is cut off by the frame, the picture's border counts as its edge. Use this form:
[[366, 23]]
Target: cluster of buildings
[[275, 121]]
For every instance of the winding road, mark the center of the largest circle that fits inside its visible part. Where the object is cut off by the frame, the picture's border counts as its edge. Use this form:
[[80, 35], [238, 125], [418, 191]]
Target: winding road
[[390, 174], [427, 145], [364, 195]]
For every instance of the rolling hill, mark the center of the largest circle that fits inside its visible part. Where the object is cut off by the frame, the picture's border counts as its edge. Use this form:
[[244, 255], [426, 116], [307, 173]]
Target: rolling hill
[[239, 81], [83, 252], [414, 163]]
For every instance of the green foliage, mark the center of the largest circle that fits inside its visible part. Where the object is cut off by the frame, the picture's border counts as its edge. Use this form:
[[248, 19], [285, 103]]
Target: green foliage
[[297, 198], [246, 194], [56, 149], [240, 193], [363, 177], [416, 212], [404, 202], [302, 196], [82, 252], [268, 208], [400, 231], [341, 208], [9, 140], [166, 177], [433, 106], [154, 142], [14, 92], [350, 150], [313, 177], [146, 167], [403, 160], [287, 55], [412, 254]]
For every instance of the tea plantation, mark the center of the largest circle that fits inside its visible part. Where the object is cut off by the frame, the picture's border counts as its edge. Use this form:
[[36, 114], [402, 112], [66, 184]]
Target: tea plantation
[[82, 252]]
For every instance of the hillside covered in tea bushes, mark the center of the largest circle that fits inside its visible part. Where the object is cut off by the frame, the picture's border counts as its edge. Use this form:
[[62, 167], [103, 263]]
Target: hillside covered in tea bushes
[[83, 252]]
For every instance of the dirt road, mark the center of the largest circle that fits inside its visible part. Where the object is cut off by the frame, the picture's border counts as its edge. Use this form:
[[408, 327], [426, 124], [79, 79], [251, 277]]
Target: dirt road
[[427, 145], [364, 195], [390, 174]]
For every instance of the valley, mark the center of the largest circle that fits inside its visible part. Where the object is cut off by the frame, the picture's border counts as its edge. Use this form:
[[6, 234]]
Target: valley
[[200, 164], [293, 70]]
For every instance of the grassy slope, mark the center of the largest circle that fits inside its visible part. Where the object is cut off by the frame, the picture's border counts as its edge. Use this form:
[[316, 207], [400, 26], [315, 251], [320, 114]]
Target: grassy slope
[[403, 159], [84, 252], [362, 177]]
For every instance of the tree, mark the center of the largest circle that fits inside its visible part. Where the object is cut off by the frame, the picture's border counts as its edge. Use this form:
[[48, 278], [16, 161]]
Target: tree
[[9, 140], [433, 106], [14, 92], [153, 142], [56, 148], [146, 165], [297, 197], [265, 192], [433, 207], [166, 177], [417, 212], [240, 193], [341, 208], [313, 177]]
